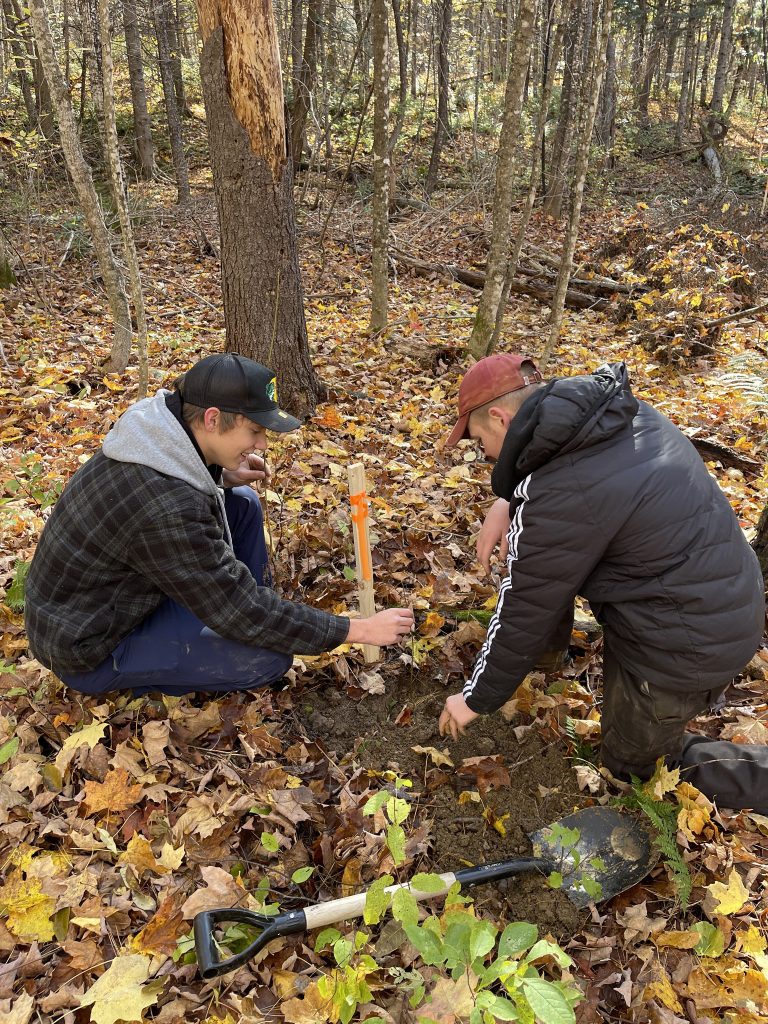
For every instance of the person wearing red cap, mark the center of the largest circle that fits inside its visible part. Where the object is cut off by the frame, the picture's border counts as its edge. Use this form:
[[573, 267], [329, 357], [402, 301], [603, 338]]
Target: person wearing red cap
[[600, 495], [152, 573]]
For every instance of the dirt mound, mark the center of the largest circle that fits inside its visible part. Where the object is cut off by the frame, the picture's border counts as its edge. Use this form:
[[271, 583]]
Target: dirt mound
[[478, 798]]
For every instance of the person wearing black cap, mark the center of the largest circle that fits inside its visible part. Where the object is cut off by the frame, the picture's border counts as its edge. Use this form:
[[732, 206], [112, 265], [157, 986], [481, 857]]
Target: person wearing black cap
[[151, 573], [599, 495]]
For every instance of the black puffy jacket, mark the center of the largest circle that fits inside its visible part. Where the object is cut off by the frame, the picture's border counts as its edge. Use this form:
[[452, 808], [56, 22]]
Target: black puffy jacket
[[610, 501]]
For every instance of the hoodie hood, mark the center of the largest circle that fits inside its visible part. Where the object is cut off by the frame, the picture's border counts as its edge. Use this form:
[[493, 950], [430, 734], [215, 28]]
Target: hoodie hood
[[569, 413], [148, 434]]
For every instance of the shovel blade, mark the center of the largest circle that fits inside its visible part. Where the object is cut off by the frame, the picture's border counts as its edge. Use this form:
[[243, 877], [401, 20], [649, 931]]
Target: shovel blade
[[598, 851]]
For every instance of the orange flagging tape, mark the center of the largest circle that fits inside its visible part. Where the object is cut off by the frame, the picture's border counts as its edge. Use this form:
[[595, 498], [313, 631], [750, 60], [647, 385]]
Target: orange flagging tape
[[359, 515]]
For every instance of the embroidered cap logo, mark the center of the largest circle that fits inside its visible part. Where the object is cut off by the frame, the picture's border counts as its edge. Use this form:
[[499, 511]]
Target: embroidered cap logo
[[272, 390]]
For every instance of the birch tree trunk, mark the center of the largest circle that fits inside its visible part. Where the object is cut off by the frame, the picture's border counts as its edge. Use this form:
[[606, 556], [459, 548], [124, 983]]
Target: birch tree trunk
[[253, 183], [442, 126], [601, 27], [120, 194], [488, 307], [380, 199], [141, 123], [160, 14], [82, 179], [723, 56]]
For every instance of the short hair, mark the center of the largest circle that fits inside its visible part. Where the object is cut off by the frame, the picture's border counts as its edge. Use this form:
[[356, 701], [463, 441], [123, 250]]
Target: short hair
[[194, 414]]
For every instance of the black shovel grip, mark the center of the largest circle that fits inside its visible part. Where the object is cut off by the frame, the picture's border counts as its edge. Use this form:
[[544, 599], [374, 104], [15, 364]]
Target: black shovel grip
[[208, 961]]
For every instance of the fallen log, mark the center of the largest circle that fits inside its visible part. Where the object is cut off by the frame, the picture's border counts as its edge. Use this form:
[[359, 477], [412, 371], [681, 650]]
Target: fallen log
[[716, 450], [476, 279]]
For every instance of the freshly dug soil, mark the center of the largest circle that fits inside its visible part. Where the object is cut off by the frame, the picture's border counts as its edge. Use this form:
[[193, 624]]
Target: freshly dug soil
[[521, 784]]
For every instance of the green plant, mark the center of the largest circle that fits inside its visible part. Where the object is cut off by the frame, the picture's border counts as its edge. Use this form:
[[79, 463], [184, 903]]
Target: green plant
[[663, 817], [14, 597], [503, 972], [396, 810], [32, 481]]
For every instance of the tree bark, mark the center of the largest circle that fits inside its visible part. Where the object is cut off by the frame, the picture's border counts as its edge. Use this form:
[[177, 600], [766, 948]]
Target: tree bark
[[304, 83], [82, 178], [606, 121], [488, 307], [686, 79], [20, 61], [160, 14], [591, 89], [561, 149], [723, 56], [7, 276], [120, 194], [253, 183], [380, 199], [442, 126], [760, 543], [141, 124]]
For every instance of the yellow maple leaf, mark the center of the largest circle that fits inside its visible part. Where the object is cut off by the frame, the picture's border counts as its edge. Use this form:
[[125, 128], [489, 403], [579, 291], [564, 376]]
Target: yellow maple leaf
[[121, 993], [139, 855], [695, 810], [662, 781], [28, 908], [696, 301], [437, 757], [726, 897], [662, 990], [115, 793]]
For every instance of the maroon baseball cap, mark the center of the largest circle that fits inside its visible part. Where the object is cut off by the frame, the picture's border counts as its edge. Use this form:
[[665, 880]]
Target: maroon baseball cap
[[490, 378]]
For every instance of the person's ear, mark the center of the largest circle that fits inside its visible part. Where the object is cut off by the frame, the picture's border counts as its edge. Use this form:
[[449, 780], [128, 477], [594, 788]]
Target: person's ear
[[211, 419], [500, 417]]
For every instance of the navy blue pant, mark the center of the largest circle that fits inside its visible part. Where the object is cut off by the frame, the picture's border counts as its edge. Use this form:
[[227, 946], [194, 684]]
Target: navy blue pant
[[173, 652]]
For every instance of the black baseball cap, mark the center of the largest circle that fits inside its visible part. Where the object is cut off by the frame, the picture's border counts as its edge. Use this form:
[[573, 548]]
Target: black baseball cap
[[236, 384]]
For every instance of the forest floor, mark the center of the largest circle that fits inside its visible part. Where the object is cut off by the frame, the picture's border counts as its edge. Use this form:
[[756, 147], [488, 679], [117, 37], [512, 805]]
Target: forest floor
[[118, 823]]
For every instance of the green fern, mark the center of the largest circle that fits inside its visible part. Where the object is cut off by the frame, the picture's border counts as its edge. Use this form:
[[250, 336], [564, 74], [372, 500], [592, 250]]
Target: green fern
[[14, 597], [663, 818]]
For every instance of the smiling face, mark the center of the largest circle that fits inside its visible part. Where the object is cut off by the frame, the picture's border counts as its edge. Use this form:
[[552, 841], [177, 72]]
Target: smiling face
[[228, 448]]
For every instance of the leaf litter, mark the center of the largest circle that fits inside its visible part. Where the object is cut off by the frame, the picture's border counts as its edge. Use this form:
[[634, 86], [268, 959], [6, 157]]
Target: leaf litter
[[117, 825]]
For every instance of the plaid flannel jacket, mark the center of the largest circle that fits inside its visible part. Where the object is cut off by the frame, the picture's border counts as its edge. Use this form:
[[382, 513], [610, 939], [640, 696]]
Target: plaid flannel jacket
[[121, 539]]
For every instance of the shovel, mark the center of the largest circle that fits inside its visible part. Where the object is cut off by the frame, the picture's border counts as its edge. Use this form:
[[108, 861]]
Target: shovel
[[607, 850]]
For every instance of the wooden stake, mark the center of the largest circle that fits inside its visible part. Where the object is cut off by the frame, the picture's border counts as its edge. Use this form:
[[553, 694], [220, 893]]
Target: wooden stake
[[359, 501]]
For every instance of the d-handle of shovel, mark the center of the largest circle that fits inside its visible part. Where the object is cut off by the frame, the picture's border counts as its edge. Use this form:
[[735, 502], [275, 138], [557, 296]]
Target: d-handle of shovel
[[206, 947]]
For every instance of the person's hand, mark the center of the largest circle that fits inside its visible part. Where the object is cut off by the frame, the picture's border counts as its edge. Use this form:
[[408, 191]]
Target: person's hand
[[253, 469], [455, 716], [381, 629], [494, 531]]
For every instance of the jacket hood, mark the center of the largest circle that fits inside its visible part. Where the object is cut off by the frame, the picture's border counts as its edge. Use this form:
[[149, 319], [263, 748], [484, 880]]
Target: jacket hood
[[150, 435], [569, 413]]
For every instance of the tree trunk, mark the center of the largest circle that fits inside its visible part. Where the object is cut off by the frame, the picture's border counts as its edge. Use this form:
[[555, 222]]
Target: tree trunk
[[723, 56], [81, 176], [253, 182], [174, 48], [442, 126], [561, 144], [685, 81], [488, 307], [141, 124], [737, 83], [297, 20], [20, 61], [591, 89], [120, 194], [709, 45], [606, 122], [7, 276], [760, 543], [304, 83], [160, 14], [380, 198], [402, 97]]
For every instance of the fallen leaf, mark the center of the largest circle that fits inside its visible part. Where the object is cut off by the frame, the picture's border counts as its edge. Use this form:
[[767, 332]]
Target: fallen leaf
[[726, 897], [435, 755], [115, 793], [121, 993]]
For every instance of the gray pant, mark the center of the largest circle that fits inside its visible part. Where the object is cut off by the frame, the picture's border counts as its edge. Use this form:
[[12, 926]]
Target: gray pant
[[641, 723]]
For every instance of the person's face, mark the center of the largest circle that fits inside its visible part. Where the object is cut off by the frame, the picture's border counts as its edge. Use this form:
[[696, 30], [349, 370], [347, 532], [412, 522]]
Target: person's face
[[229, 448], [489, 429]]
